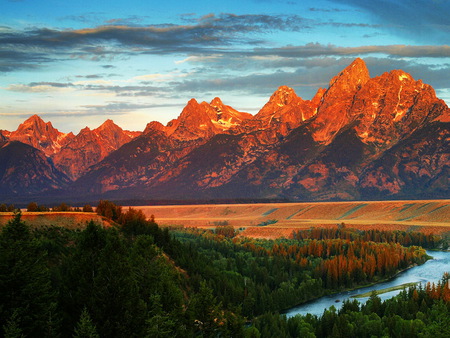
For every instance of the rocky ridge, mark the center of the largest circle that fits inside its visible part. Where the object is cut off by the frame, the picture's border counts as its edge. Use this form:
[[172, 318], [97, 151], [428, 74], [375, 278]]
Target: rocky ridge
[[59, 157], [361, 138]]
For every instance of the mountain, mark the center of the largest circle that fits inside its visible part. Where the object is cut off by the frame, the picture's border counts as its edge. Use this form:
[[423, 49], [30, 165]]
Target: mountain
[[3, 138], [72, 155], [35, 132], [90, 147], [142, 161], [204, 120], [360, 138], [351, 141], [26, 170]]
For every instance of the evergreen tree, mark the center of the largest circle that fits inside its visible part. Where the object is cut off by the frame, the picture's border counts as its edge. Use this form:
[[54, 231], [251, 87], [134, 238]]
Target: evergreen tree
[[160, 324], [25, 280], [85, 327], [12, 327]]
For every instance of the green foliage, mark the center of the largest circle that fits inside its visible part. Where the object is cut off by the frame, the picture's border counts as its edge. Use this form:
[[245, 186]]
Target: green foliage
[[12, 327], [27, 299], [399, 316], [32, 207], [405, 238], [226, 231], [137, 280], [63, 207], [5, 208], [268, 222], [109, 210], [88, 208], [85, 327]]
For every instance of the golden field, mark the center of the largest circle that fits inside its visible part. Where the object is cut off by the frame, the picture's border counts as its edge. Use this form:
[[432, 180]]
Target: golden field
[[70, 220], [273, 220], [429, 216]]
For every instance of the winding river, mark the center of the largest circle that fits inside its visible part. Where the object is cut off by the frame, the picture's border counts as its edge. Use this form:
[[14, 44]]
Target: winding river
[[431, 271]]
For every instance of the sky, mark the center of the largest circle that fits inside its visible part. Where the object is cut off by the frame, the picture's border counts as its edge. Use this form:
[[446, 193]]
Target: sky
[[78, 63]]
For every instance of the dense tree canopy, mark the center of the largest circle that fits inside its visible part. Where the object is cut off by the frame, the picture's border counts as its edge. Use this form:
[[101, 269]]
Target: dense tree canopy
[[135, 279]]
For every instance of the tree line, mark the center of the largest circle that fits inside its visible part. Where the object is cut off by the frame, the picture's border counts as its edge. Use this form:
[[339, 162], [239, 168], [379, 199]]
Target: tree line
[[419, 311], [405, 238], [137, 279]]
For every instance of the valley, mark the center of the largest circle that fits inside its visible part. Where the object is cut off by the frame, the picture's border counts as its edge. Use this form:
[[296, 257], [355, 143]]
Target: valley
[[273, 220]]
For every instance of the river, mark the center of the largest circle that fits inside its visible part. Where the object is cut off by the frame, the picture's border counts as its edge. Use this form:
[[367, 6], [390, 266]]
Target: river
[[431, 271]]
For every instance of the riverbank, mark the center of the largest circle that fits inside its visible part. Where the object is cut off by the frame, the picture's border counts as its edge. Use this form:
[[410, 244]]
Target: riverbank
[[359, 287], [431, 271], [380, 292]]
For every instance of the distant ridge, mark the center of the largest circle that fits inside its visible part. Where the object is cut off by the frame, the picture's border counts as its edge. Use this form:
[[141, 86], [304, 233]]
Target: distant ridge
[[361, 138]]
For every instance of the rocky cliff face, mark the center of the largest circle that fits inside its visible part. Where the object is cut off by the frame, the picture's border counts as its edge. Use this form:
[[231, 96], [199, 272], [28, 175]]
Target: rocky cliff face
[[90, 147], [362, 137], [204, 120], [40, 135], [54, 158], [151, 158]]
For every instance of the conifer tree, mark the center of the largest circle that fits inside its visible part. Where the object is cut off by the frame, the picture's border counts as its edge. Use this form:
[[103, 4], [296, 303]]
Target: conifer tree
[[85, 327]]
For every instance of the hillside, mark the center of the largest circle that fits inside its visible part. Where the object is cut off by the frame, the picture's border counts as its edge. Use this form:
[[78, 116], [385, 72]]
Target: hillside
[[69, 220], [427, 216]]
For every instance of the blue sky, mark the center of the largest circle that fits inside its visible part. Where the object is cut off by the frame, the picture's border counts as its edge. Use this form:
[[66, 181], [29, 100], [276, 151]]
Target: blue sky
[[78, 63]]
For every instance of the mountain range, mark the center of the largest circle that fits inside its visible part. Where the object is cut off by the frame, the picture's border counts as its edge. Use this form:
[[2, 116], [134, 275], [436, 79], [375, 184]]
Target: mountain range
[[385, 137]]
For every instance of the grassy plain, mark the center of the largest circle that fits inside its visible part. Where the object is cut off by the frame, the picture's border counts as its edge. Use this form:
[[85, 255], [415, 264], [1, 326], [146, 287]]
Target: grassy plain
[[272, 220], [70, 220]]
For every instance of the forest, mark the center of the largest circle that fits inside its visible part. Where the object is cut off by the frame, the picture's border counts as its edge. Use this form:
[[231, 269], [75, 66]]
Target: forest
[[136, 279]]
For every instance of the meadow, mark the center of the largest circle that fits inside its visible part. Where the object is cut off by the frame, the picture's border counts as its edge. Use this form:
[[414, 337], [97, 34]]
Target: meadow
[[274, 220]]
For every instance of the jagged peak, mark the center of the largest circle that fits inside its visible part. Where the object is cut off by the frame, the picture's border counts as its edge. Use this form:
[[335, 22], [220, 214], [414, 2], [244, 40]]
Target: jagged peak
[[34, 117], [152, 126], [283, 95], [34, 120], [355, 73], [318, 96], [216, 102], [192, 102], [399, 74], [108, 124]]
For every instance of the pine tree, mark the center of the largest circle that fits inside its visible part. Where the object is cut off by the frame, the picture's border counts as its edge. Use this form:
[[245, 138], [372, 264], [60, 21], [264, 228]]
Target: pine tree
[[25, 280], [85, 327], [12, 327]]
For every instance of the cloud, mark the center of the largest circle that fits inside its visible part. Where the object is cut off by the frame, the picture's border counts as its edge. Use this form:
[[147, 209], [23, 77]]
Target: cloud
[[130, 20], [222, 29], [32, 47], [11, 60], [90, 17], [118, 107], [419, 20], [39, 87], [316, 49], [327, 10], [304, 74]]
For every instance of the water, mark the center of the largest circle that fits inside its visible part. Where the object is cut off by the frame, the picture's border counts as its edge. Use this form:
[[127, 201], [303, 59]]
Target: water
[[431, 271]]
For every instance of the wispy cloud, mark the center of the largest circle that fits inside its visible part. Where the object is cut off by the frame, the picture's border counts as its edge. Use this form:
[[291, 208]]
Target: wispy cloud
[[317, 49], [328, 10], [419, 20], [39, 87], [206, 34], [117, 107]]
